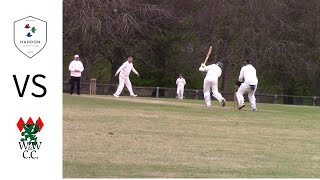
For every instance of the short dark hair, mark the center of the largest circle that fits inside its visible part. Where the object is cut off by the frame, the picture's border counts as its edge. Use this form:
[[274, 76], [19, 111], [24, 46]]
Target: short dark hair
[[248, 61]]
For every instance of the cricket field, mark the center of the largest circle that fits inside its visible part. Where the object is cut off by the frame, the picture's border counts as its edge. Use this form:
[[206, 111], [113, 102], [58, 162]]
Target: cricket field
[[104, 136]]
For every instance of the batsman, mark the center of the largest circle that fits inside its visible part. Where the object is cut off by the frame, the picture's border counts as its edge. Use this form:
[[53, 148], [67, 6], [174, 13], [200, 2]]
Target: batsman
[[210, 82]]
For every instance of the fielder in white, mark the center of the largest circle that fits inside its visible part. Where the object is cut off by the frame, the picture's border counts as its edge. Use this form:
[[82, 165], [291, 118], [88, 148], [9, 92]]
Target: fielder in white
[[247, 83], [124, 71], [211, 83], [180, 82]]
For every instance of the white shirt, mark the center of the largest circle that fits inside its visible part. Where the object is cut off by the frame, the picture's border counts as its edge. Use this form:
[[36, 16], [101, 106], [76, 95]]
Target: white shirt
[[212, 70], [125, 70], [74, 67], [181, 82], [248, 74]]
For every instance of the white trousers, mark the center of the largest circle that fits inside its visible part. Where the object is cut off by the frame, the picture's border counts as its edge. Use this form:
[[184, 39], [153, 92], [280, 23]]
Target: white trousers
[[180, 91], [124, 81], [243, 89], [211, 83]]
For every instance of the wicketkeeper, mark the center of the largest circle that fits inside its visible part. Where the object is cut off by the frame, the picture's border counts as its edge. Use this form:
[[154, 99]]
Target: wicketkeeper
[[124, 71], [247, 83], [211, 83], [181, 82]]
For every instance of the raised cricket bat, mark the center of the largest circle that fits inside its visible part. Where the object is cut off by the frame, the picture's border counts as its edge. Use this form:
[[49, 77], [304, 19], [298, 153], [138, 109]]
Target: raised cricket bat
[[209, 52]]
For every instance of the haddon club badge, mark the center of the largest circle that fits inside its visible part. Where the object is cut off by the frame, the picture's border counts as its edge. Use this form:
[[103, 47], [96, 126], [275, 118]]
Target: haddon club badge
[[30, 35]]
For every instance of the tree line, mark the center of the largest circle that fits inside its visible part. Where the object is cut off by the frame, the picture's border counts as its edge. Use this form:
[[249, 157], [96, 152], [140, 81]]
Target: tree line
[[169, 37]]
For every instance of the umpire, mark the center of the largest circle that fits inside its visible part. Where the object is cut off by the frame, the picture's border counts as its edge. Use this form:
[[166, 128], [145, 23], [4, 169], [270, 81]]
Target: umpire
[[75, 68]]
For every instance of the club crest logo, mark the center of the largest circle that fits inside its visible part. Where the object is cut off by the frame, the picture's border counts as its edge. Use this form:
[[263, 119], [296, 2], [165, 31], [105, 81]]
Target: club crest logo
[[29, 141], [30, 35]]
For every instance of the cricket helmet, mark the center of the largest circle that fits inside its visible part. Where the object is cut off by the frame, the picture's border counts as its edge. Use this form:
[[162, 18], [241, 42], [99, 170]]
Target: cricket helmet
[[219, 64]]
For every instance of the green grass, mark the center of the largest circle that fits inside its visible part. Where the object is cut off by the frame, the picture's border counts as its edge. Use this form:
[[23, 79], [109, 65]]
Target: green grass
[[147, 137]]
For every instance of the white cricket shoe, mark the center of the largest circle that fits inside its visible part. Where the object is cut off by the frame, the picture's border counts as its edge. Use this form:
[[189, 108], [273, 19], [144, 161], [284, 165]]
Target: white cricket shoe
[[242, 106], [115, 95], [223, 103], [134, 95]]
